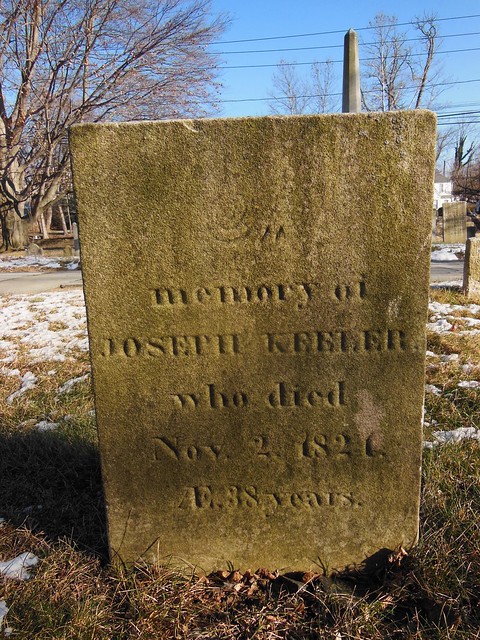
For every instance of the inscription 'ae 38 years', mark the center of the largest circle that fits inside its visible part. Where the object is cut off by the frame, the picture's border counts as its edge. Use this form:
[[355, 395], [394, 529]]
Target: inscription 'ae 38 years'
[[221, 498]]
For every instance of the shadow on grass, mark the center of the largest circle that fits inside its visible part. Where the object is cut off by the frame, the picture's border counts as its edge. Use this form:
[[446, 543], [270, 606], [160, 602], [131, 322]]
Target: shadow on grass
[[52, 483]]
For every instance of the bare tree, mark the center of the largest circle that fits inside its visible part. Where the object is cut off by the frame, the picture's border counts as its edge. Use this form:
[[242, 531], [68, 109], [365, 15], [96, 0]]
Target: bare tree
[[466, 166], [386, 68], [295, 94], [463, 152], [466, 180], [397, 74], [421, 68], [68, 61], [290, 91], [446, 138], [323, 77]]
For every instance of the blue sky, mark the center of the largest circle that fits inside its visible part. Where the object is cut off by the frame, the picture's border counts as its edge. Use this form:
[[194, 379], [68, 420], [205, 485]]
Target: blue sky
[[271, 18]]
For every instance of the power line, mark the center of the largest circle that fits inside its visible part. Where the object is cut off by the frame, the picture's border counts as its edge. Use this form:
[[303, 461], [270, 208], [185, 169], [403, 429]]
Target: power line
[[451, 124], [462, 105], [300, 64], [460, 113], [333, 46], [437, 84], [325, 33]]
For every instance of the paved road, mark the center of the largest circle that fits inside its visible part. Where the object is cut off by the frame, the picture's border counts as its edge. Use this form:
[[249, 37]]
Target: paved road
[[25, 282], [446, 271]]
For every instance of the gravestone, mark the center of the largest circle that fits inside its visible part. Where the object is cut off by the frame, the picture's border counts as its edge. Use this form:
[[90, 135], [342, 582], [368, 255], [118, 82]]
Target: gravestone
[[434, 224], [76, 243], [34, 249], [471, 268], [258, 375], [455, 222]]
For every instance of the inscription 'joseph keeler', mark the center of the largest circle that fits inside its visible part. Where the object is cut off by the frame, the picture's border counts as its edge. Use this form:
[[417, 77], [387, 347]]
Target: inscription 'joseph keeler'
[[300, 342]]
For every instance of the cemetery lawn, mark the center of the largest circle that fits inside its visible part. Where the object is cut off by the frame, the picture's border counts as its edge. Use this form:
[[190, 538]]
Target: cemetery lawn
[[52, 506]]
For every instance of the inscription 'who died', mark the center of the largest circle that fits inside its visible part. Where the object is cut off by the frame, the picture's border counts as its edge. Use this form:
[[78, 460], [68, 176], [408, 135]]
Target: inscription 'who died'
[[284, 395]]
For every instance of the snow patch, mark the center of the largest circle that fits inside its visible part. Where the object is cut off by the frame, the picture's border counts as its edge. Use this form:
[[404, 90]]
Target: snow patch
[[452, 357], [5, 371], [443, 255], [439, 326], [3, 611], [431, 388], [452, 437], [470, 322], [451, 284], [29, 380], [445, 308], [469, 384], [17, 569], [50, 326], [70, 383], [7, 631], [29, 261], [45, 425]]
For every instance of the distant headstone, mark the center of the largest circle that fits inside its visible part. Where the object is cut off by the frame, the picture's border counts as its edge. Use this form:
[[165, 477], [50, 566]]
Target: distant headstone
[[471, 229], [34, 250], [434, 224], [258, 379], [455, 222], [76, 242], [471, 268], [68, 251]]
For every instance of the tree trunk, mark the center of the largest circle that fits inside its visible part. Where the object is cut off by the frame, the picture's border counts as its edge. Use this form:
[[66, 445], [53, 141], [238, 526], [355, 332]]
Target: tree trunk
[[44, 223], [16, 231], [48, 219], [61, 213]]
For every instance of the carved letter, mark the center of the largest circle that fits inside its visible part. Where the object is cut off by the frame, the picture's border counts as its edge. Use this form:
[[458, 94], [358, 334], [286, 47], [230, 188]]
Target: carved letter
[[185, 400], [166, 445]]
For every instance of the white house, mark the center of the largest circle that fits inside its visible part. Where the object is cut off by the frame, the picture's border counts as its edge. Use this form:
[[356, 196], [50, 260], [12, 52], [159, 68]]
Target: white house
[[442, 191]]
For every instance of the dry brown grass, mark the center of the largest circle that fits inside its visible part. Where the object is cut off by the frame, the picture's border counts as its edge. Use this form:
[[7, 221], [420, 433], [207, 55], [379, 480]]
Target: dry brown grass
[[51, 497]]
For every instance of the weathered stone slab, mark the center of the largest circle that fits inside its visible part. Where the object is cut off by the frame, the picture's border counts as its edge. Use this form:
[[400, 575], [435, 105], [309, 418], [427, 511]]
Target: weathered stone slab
[[471, 268], [258, 375], [34, 250], [455, 222]]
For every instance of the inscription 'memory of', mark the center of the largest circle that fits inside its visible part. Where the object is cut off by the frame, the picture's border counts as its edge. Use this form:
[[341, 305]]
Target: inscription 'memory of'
[[338, 341], [297, 292]]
